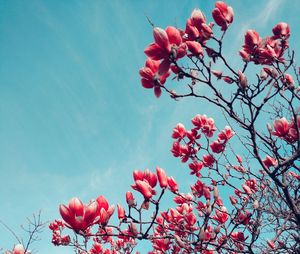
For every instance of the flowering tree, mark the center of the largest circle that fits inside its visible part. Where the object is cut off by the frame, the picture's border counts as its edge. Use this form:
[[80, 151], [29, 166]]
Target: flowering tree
[[239, 203]]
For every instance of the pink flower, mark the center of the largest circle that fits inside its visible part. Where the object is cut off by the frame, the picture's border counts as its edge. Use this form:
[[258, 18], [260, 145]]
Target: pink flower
[[196, 29], [199, 121], [96, 248], [144, 183], [238, 236], [221, 216], [18, 249], [217, 146], [105, 211], [209, 127], [223, 15], [144, 188], [281, 127], [176, 149], [77, 215], [281, 30], [195, 48], [208, 160], [147, 176], [151, 77], [294, 175], [288, 80], [252, 39], [179, 131], [198, 17], [195, 167], [270, 162], [167, 46], [162, 245], [267, 50], [173, 186], [226, 134]]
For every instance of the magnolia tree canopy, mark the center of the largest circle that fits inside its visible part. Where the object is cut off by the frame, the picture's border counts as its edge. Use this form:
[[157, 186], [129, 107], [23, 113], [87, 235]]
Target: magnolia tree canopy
[[245, 196]]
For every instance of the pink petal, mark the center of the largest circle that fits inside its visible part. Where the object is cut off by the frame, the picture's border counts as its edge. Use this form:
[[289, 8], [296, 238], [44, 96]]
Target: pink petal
[[173, 35], [157, 91], [164, 67], [154, 51], [161, 37]]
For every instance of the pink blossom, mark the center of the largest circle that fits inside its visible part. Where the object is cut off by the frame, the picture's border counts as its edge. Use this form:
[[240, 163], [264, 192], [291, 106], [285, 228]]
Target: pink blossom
[[223, 15]]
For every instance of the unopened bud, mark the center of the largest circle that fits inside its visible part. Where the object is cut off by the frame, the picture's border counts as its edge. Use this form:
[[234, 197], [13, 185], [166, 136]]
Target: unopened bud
[[208, 210], [274, 73], [255, 204], [179, 241], [202, 235], [217, 229], [216, 192], [263, 75], [207, 202], [269, 127], [243, 83]]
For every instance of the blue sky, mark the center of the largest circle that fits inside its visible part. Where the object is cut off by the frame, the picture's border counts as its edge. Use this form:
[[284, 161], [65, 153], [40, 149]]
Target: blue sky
[[74, 119]]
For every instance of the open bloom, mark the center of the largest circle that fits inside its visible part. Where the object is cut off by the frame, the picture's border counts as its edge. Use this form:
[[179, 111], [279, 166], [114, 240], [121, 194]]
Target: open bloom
[[281, 127], [173, 186], [217, 146], [223, 15], [269, 162], [288, 81], [18, 249], [150, 78], [144, 183], [167, 47], [105, 211], [179, 131], [195, 48], [238, 236], [77, 215]]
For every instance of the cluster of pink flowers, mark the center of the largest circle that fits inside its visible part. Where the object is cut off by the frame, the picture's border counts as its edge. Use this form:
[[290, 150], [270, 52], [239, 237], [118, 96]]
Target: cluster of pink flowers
[[171, 44], [187, 143], [266, 50], [57, 239]]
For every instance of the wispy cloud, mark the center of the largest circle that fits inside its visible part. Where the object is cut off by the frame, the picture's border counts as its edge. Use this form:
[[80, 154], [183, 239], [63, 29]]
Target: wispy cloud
[[267, 10]]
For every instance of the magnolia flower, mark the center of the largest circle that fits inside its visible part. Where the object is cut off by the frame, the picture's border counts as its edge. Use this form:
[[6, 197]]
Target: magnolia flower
[[167, 46], [77, 215], [281, 30], [223, 15], [104, 210]]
